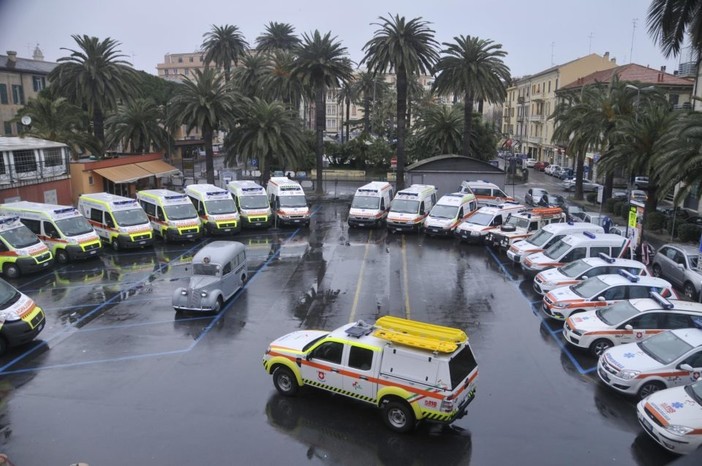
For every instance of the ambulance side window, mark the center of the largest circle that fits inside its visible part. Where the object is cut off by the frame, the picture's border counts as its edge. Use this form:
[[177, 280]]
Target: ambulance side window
[[159, 213], [51, 230], [109, 221], [96, 215], [497, 221], [460, 213], [533, 226], [149, 208], [33, 225], [382, 204], [472, 206], [695, 360], [3, 247], [421, 208], [200, 206], [330, 351], [360, 358], [227, 268]]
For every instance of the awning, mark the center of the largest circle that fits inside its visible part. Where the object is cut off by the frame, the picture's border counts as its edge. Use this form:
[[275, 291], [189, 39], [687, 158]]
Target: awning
[[158, 168], [123, 173]]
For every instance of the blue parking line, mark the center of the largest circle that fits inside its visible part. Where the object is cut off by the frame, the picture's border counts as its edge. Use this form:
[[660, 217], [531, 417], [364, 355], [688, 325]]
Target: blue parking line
[[497, 261], [4, 369]]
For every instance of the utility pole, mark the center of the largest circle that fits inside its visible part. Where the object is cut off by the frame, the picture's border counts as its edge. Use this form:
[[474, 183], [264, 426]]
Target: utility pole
[[589, 45], [553, 44], [633, 32]]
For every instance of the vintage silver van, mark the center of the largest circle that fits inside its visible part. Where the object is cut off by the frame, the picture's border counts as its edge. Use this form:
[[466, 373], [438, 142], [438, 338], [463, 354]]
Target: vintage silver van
[[218, 272]]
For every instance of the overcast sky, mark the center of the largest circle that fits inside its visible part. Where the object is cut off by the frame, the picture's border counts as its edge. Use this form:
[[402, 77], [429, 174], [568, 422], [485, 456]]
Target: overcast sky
[[535, 33]]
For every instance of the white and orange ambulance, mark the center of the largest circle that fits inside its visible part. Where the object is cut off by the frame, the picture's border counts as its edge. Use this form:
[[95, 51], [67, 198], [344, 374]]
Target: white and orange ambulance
[[448, 213], [370, 204], [288, 201], [480, 223], [252, 201], [410, 207]]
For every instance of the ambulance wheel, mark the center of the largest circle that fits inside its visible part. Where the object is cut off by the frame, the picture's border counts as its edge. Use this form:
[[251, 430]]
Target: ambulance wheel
[[11, 271], [648, 388], [243, 278], [61, 256], [285, 381], [218, 305], [398, 416], [599, 346]]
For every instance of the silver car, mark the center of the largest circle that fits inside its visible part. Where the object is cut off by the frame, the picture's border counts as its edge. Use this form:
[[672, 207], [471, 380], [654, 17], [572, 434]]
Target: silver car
[[219, 271], [677, 263]]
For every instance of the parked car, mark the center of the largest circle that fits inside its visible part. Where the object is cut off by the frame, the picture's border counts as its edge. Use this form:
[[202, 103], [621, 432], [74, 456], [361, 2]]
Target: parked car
[[574, 213], [638, 195], [529, 163], [588, 186], [641, 182], [541, 166], [677, 263], [551, 169], [552, 200], [534, 195], [566, 173]]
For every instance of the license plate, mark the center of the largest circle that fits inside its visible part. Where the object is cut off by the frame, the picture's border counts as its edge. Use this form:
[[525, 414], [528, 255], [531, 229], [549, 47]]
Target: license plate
[[40, 326], [142, 242], [227, 230], [93, 251], [45, 264], [189, 236]]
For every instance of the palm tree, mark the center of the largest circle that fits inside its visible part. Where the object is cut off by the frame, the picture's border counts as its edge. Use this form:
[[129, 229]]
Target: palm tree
[[223, 45], [280, 83], [440, 129], [347, 95], [407, 47], [670, 22], [268, 132], [370, 87], [473, 68], [683, 163], [137, 125], [55, 119], [251, 75], [94, 77], [278, 37], [321, 63], [204, 102]]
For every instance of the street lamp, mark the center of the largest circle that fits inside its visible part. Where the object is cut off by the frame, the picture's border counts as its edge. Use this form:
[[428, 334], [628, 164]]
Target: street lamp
[[638, 95]]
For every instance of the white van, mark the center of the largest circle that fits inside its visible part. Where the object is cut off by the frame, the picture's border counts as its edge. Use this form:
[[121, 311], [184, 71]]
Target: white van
[[118, 221], [62, 228], [449, 212], [476, 227], [288, 201], [370, 204], [574, 247], [216, 208], [21, 251], [487, 194], [546, 236], [252, 201], [21, 319], [172, 215], [410, 207]]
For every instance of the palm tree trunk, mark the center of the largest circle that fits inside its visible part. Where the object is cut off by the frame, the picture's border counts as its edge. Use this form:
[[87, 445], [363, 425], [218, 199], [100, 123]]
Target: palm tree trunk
[[579, 169], [265, 169], [467, 123], [401, 116], [320, 113], [99, 126], [366, 113], [209, 154], [341, 127], [348, 116]]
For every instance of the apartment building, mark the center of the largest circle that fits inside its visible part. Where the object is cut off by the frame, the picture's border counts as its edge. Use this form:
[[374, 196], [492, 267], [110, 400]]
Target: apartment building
[[178, 66], [532, 99], [20, 80]]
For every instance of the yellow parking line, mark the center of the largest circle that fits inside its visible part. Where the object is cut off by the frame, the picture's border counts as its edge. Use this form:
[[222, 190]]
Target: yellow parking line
[[359, 284], [404, 278]]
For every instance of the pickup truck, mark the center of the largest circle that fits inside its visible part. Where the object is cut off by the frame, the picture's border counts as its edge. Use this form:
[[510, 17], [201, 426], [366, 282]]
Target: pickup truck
[[523, 224]]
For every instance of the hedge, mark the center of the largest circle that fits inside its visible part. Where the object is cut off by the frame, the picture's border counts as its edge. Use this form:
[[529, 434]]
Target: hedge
[[689, 233], [655, 221]]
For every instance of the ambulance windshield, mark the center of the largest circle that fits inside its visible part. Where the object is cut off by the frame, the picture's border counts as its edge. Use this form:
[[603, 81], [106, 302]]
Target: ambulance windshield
[[404, 206], [557, 249], [481, 218], [205, 269], [540, 238], [292, 201], [20, 237], [574, 269], [518, 222], [180, 211], [588, 288], [665, 347], [444, 211], [365, 202], [74, 226], [254, 202], [8, 295], [128, 218], [617, 312], [221, 206]]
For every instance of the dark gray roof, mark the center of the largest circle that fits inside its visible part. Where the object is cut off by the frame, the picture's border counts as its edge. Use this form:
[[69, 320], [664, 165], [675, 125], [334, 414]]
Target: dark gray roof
[[28, 66], [452, 163]]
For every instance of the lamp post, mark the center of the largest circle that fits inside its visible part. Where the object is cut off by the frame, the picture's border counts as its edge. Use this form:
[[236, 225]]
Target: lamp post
[[638, 96]]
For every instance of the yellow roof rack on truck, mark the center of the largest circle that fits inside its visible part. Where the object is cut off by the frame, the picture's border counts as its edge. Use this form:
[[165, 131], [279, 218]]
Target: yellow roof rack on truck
[[431, 337]]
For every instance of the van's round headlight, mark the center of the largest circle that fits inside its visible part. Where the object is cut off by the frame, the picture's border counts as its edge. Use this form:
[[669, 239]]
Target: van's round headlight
[[184, 292], [203, 294]]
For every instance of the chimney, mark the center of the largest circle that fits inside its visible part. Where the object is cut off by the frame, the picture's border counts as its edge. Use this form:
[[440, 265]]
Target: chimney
[[663, 68], [606, 55], [11, 58], [614, 60], [675, 72]]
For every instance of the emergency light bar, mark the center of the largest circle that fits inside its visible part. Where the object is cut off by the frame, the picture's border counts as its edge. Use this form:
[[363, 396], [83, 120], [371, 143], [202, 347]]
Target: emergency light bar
[[665, 304], [628, 275], [290, 188], [174, 197], [374, 191], [251, 189], [589, 234], [216, 193], [606, 257], [64, 211], [129, 201], [408, 194], [4, 220]]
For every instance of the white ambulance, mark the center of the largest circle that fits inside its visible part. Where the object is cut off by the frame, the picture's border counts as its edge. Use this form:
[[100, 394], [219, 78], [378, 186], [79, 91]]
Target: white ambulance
[[21, 251], [487, 194], [288, 201], [370, 204], [410, 207], [63, 229], [252, 201], [480, 223], [20, 318], [119, 221], [448, 213], [172, 215], [216, 208], [546, 236]]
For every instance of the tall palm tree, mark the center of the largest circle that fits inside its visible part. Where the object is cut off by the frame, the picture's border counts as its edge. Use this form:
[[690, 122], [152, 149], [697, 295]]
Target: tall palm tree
[[473, 68], [278, 37], [137, 125], [251, 75], [369, 87], [56, 119], [321, 63], [670, 22], [346, 96], [683, 163], [204, 102], [440, 129], [224, 45], [280, 83], [268, 132], [94, 77], [407, 47]]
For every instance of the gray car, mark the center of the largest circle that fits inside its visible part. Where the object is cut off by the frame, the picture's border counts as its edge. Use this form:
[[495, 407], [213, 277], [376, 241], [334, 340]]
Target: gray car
[[219, 270], [677, 263]]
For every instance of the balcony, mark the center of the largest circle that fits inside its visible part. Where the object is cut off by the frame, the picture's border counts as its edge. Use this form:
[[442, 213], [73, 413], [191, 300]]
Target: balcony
[[536, 118], [534, 139]]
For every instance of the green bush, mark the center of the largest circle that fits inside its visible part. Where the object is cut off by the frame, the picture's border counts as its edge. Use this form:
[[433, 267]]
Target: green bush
[[655, 221], [620, 208], [591, 198], [609, 204], [689, 233]]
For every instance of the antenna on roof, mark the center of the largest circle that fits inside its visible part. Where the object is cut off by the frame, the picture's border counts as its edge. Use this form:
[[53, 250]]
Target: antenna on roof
[[633, 31], [589, 44], [553, 44]]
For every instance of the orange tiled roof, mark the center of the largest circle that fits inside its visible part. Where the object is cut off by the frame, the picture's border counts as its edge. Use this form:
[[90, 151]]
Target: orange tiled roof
[[630, 72]]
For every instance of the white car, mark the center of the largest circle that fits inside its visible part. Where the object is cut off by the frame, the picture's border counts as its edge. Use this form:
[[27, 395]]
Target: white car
[[629, 321], [602, 291], [673, 418], [577, 271], [530, 163], [666, 360]]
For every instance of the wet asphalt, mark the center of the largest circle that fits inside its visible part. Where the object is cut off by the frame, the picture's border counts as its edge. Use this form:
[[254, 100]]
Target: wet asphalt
[[117, 377]]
